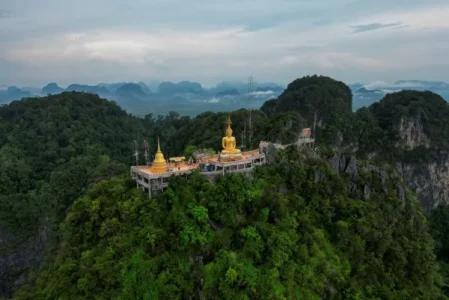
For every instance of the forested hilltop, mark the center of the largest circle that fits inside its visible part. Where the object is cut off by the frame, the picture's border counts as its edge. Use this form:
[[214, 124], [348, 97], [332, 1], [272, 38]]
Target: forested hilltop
[[290, 232], [52, 149], [408, 129], [296, 230]]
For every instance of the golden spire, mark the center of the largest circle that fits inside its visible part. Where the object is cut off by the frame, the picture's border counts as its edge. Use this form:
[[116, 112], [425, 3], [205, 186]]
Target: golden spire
[[159, 164], [158, 145], [229, 121]]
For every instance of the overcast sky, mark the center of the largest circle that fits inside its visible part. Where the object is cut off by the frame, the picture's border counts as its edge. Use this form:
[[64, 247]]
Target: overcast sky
[[92, 41]]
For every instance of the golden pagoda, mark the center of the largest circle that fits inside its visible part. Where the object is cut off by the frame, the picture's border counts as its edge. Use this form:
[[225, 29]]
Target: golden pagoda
[[159, 163]]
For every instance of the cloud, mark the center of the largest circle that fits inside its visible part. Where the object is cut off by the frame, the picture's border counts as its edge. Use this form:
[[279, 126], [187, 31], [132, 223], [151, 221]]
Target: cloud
[[213, 100], [262, 93], [376, 85], [373, 26], [405, 84], [4, 13], [209, 41]]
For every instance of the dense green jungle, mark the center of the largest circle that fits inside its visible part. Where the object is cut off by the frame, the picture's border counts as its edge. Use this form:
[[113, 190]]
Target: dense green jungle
[[336, 222]]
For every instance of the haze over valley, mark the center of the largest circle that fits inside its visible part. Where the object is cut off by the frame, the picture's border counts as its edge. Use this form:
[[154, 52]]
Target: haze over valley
[[191, 98], [185, 97]]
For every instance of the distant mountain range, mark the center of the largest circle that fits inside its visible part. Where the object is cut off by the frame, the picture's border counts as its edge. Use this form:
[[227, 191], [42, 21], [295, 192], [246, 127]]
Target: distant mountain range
[[10, 93], [191, 98], [186, 97], [51, 88], [366, 94]]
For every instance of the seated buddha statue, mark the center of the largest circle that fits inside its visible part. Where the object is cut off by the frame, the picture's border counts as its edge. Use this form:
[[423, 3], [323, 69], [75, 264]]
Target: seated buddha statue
[[228, 142]]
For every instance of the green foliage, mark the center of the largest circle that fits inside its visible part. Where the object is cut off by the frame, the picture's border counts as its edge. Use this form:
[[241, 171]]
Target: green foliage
[[295, 231], [283, 128], [440, 230], [207, 129], [269, 107], [420, 107], [189, 151], [439, 224], [52, 149], [320, 100], [406, 126], [280, 235]]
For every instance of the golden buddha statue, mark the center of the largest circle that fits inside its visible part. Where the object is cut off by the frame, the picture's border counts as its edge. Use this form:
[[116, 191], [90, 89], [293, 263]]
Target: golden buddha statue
[[228, 142], [159, 164]]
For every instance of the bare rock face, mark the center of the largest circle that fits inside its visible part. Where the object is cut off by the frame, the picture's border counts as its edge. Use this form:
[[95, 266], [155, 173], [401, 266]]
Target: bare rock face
[[21, 258], [415, 123], [270, 152], [337, 163], [411, 132], [349, 165], [341, 164], [429, 180]]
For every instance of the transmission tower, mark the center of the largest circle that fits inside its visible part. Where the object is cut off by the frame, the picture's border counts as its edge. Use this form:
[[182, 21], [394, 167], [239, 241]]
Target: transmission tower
[[250, 119], [136, 152], [145, 146], [226, 123], [244, 136]]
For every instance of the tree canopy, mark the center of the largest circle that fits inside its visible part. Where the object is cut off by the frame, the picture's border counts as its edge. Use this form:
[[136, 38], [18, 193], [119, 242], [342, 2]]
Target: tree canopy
[[296, 230], [282, 235]]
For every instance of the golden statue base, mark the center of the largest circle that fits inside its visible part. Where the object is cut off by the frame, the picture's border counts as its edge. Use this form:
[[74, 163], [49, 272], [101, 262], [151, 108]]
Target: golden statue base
[[230, 157]]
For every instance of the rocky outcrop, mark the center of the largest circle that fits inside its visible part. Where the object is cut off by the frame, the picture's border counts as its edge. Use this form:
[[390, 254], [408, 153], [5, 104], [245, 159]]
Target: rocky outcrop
[[342, 164], [51, 88], [414, 134], [18, 257], [270, 150], [349, 165], [411, 132], [429, 180]]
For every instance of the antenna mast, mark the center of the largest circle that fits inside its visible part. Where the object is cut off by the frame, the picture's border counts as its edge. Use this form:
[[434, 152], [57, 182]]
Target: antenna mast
[[136, 152], [145, 146], [314, 125], [250, 96], [226, 123], [244, 136]]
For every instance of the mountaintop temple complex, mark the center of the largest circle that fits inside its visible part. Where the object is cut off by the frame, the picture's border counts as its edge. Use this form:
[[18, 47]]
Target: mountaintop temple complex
[[153, 178]]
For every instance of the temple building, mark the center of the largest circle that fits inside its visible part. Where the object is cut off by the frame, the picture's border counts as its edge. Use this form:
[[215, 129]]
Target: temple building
[[154, 179]]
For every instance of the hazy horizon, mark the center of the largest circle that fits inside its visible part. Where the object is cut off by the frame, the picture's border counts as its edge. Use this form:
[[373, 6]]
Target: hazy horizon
[[377, 84]]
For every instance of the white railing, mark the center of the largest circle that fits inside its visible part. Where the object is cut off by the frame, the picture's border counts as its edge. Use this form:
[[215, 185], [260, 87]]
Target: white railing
[[232, 168]]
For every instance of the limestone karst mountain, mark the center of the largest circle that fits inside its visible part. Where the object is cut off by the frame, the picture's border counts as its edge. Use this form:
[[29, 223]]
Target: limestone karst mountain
[[51, 88], [369, 164]]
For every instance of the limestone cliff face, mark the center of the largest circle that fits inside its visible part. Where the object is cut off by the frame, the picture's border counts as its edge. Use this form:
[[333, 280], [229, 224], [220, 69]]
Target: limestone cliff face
[[357, 170], [411, 133], [429, 180], [26, 254], [361, 173], [414, 131]]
